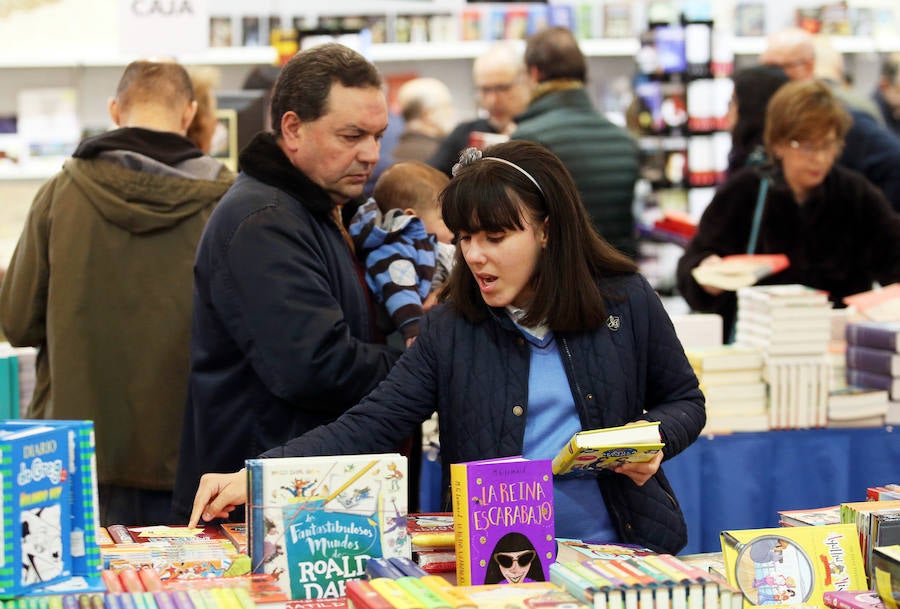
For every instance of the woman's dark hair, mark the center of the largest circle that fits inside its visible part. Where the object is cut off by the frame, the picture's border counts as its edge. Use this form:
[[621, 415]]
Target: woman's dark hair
[[304, 84], [491, 196], [753, 88], [514, 542]]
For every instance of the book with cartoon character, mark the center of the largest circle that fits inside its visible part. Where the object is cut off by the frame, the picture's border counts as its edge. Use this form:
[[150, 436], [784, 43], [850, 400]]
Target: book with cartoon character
[[589, 451], [793, 565], [36, 507], [503, 520], [313, 522]]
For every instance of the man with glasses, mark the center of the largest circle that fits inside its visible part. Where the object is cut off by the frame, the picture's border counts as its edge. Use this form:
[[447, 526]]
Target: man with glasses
[[502, 91], [869, 148]]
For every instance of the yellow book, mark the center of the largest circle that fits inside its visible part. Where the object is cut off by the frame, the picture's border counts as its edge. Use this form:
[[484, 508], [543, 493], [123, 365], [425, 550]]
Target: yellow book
[[396, 595], [589, 451], [793, 565], [454, 597]]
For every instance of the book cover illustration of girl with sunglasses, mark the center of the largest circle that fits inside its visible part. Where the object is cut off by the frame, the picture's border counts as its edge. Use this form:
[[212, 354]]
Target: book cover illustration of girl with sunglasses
[[513, 561]]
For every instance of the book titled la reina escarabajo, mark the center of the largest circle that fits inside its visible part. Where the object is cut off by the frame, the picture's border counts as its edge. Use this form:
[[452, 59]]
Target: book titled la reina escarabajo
[[503, 520], [793, 565], [313, 522], [596, 449]]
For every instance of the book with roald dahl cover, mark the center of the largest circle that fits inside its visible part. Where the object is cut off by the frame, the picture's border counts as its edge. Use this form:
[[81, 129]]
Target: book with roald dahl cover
[[313, 522], [596, 449], [503, 520], [793, 565]]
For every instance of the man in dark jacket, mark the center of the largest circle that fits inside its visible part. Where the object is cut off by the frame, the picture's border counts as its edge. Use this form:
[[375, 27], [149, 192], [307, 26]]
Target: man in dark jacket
[[602, 158], [282, 338], [100, 282]]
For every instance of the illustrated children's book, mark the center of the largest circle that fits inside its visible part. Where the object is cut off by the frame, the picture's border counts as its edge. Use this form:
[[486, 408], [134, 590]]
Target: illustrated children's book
[[36, 508], [793, 565], [313, 522], [84, 511], [590, 451], [503, 520], [852, 599]]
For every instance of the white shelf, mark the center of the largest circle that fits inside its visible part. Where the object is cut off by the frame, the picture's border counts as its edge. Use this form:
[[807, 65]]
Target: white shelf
[[843, 44]]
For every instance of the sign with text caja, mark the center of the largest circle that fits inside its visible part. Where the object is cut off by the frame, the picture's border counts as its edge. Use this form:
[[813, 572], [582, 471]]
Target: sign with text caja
[[163, 27]]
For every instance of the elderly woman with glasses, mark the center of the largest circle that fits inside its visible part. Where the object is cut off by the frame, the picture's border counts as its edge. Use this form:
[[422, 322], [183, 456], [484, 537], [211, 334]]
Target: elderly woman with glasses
[[838, 231]]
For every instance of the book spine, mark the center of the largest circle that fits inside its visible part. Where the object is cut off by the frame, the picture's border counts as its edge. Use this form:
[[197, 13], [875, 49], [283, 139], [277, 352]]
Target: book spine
[[382, 567], [460, 494], [575, 584], [879, 361], [395, 594], [255, 516], [422, 593], [362, 595], [407, 566], [874, 336], [862, 378], [455, 597], [119, 533], [562, 462]]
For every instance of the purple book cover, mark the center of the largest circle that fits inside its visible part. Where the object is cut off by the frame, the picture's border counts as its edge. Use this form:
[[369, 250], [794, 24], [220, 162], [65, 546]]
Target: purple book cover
[[503, 520]]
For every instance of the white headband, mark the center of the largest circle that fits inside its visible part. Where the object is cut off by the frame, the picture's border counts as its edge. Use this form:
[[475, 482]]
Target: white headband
[[471, 155]]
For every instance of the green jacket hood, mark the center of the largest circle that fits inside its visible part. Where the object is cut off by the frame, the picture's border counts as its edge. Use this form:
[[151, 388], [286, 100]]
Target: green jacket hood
[[142, 201]]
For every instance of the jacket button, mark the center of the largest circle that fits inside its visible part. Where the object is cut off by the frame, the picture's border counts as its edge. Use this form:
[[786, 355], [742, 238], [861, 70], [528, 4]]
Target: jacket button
[[518, 410], [521, 341], [589, 396]]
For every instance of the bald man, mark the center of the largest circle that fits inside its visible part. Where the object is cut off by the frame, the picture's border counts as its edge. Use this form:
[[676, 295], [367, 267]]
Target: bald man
[[426, 106], [869, 147], [503, 91], [101, 283]]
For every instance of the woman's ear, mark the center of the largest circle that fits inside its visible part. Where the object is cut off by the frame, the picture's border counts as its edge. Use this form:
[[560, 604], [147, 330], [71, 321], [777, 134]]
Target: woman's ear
[[545, 231]]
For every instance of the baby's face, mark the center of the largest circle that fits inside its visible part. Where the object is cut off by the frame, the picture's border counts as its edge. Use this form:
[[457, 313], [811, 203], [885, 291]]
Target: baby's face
[[434, 224]]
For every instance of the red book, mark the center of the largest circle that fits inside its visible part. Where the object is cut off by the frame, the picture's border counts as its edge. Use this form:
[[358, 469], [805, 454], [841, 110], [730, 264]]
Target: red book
[[431, 530], [363, 596]]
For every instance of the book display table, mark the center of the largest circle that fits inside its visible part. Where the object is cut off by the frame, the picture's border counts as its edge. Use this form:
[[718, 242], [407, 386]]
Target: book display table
[[741, 480]]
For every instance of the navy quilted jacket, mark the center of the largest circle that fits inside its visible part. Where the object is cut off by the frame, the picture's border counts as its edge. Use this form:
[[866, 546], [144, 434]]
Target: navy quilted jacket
[[476, 376]]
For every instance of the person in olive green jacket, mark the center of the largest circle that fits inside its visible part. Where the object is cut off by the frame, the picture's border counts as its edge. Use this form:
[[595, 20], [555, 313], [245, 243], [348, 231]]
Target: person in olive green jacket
[[101, 283], [602, 157]]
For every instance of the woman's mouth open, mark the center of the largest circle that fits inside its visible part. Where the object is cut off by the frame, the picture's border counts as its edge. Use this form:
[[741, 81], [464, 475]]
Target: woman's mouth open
[[486, 282]]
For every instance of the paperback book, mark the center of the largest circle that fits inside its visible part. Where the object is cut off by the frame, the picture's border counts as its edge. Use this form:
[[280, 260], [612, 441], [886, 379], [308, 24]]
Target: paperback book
[[853, 599], [314, 522], [590, 451], [793, 565], [739, 270], [503, 520], [533, 594]]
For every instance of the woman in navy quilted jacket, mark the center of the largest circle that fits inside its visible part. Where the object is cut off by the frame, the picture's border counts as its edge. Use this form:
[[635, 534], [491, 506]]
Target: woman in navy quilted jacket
[[544, 330]]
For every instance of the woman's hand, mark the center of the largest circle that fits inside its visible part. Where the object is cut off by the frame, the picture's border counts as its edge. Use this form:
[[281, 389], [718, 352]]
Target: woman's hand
[[641, 472], [218, 495], [713, 259]]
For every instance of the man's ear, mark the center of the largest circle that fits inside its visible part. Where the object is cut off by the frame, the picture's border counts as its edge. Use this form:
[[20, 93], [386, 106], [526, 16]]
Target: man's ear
[[291, 132], [114, 111], [188, 115]]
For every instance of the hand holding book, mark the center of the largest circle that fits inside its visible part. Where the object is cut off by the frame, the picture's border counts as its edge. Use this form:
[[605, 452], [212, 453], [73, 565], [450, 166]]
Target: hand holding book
[[628, 447], [729, 273]]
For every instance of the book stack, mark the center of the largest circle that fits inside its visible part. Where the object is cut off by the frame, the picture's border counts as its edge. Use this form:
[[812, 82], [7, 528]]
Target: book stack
[[836, 354], [873, 361], [791, 324], [810, 518], [877, 523], [883, 493], [857, 407], [731, 379], [644, 580], [433, 542]]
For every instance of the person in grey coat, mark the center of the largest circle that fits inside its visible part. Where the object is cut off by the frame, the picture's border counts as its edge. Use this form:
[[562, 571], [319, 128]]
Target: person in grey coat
[[544, 330]]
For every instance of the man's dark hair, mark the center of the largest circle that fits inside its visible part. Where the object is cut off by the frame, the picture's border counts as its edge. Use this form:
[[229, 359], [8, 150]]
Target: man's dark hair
[[555, 53], [304, 84], [890, 68], [156, 81]]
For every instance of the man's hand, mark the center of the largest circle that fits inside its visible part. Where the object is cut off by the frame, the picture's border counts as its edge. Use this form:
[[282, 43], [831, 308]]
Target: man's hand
[[641, 472], [218, 495]]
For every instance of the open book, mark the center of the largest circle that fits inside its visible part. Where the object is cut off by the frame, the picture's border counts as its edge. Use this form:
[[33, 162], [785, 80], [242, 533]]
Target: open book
[[739, 270], [588, 451]]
